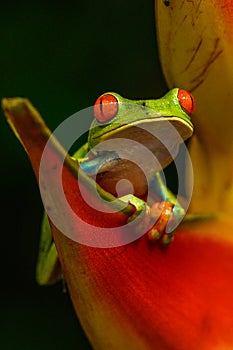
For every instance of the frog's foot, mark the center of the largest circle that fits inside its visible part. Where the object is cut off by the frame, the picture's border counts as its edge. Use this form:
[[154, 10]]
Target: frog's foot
[[140, 208], [157, 232], [161, 213]]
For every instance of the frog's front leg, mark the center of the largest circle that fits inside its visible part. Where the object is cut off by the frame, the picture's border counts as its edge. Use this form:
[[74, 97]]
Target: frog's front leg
[[169, 208], [102, 160], [160, 212], [165, 210], [139, 205]]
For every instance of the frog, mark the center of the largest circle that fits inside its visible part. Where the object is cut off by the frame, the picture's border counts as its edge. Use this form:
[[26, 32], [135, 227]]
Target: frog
[[136, 122]]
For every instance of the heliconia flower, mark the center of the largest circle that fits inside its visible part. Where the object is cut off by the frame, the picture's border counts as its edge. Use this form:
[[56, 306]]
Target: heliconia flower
[[140, 295]]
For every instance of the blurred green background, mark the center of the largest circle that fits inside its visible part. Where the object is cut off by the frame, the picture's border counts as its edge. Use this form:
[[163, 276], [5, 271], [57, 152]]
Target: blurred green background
[[61, 55]]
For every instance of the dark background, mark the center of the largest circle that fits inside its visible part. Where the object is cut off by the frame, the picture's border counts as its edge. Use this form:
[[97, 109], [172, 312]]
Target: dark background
[[61, 55]]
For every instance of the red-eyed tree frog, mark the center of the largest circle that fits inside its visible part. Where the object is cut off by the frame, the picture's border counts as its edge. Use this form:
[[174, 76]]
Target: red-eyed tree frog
[[144, 123]]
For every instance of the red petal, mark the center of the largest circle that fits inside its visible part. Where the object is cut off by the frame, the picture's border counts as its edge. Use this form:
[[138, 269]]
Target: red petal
[[140, 296]]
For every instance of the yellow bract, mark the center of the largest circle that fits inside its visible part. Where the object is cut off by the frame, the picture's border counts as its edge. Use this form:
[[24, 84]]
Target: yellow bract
[[196, 52]]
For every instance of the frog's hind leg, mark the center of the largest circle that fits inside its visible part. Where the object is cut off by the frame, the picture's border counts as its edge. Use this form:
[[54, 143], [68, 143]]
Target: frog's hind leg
[[48, 270]]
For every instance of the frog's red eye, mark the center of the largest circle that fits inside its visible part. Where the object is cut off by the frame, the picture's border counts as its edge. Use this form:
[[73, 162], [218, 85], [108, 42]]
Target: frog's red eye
[[187, 101], [105, 108]]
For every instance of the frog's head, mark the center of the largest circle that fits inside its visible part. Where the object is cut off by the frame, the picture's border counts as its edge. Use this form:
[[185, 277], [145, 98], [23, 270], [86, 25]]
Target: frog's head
[[144, 121]]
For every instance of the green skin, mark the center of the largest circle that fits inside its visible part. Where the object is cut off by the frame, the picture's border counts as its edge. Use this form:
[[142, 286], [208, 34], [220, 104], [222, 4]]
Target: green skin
[[129, 123], [106, 166]]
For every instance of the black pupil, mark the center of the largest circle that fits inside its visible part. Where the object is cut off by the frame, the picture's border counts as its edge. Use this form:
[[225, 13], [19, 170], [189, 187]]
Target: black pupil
[[191, 97], [166, 2], [101, 105]]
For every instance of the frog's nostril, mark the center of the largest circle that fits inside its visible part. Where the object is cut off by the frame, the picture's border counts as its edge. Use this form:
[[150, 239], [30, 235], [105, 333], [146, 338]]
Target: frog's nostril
[[105, 108]]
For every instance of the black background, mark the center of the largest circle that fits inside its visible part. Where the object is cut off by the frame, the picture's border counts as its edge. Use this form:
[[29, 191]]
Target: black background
[[61, 55]]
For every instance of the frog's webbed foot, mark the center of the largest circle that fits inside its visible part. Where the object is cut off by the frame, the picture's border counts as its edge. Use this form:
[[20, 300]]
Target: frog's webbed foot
[[157, 232], [156, 218], [140, 207], [168, 212]]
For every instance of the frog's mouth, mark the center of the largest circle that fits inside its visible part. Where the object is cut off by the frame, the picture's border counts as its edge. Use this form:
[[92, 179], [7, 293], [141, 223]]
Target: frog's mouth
[[162, 136], [154, 126]]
